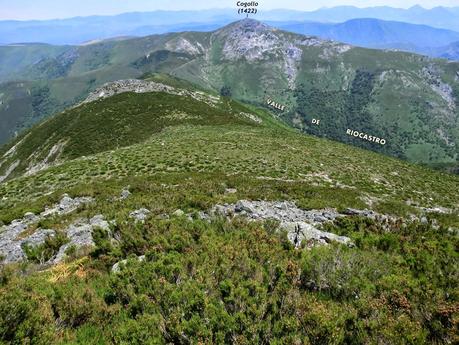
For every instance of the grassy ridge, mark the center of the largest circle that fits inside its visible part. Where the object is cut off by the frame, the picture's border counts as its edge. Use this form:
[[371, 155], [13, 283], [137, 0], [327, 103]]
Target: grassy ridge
[[124, 120], [233, 282], [156, 133], [255, 152]]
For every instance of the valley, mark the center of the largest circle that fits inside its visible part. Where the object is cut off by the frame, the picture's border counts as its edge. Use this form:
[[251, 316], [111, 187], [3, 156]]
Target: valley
[[345, 86]]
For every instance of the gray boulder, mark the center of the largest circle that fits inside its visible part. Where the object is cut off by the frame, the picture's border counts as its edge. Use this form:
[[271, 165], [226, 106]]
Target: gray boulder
[[283, 211], [125, 193], [66, 205], [178, 213], [140, 215], [297, 232], [38, 237], [10, 243], [80, 235]]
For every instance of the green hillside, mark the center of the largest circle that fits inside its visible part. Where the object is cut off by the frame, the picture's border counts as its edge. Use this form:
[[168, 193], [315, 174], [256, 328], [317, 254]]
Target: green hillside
[[224, 280], [123, 120], [408, 100], [15, 58]]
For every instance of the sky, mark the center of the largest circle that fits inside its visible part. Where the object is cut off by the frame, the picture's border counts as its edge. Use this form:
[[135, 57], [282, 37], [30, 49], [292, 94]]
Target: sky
[[47, 9]]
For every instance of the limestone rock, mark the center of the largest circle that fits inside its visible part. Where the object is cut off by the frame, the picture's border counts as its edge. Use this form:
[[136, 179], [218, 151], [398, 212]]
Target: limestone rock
[[10, 244], [283, 211], [116, 268], [66, 205], [80, 235], [299, 224], [140, 215], [38, 237], [178, 213], [125, 193], [298, 232]]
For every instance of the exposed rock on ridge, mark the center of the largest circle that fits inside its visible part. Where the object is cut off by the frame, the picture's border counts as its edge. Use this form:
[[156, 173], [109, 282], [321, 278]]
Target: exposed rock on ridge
[[301, 226], [142, 86]]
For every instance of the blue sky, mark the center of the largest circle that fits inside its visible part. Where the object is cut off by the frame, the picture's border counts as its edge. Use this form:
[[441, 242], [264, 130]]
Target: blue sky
[[46, 9]]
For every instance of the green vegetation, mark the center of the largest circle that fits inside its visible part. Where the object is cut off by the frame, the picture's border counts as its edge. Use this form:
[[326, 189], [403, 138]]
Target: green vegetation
[[408, 100], [124, 120], [226, 91], [237, 282], [154, 134], [44, 252], [225, 281], [17, 57]]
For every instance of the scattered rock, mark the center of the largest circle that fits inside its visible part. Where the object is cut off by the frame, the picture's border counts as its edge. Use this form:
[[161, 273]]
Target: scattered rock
[[80, 235], [66, 205], [204, 216], [38, 237], [297, 232], [306, 222], [30, 217], [140, 215], [299, 224], [125, 193], [283, 211], [10, 243], [433, 77], [438, 209], [116, 268], [143, 86], [252, 117], [383, 218], [178, 213]]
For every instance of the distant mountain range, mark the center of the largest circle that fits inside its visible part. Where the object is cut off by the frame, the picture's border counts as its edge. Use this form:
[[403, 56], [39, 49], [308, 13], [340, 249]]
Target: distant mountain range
[[438, 17], [381, 34], [368, 33], [410, 101], [81, 29]]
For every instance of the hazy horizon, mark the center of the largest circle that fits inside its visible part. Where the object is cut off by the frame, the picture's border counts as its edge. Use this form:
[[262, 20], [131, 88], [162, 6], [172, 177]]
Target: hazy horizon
[[52, 9]]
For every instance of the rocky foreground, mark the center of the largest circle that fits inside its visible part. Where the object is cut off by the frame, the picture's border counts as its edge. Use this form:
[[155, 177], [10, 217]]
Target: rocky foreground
[[303, 227]]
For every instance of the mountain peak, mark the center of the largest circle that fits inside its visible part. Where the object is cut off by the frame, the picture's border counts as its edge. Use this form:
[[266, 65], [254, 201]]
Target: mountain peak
[[246, 25], [250, 39]]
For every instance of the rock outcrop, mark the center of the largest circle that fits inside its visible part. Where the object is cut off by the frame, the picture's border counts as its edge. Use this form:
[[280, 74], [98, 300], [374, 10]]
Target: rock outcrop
[[80, 235], [140, 215], [66, 205], [20, 232], [283, 211], [301, 226], [11, 241], [144, 86], [301, 232]]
